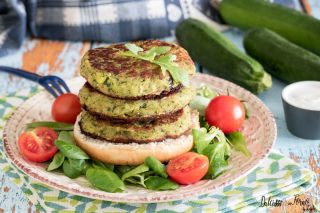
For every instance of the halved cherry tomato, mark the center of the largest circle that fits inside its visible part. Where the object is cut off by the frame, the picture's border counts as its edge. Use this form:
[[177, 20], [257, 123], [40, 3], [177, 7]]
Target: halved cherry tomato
[[66, 108], [188, 168], [225, 112], [38, 145]]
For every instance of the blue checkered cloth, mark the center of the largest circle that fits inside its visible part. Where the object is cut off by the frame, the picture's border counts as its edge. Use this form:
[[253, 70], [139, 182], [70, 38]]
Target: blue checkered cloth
[[94, 20], [97, 20]]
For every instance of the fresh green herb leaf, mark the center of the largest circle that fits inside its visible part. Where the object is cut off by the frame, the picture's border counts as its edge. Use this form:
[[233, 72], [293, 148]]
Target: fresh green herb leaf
[[59, 126], [202, 99], [105, 180], [120, 170], [98, 164], [133, 48], [73, 168], [66, 136], [70, 150], [137, 170], [166, 62], [217, 160], [160, 183], [136, 180], [155, 51], [202, 139], [156, 166], [238, 142], [214, 145], [56, 162]]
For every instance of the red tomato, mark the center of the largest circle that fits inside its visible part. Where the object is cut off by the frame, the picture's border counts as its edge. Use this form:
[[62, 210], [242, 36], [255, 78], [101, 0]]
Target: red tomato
[[188, 168], [38, 145], [225, 112], [66, 108]]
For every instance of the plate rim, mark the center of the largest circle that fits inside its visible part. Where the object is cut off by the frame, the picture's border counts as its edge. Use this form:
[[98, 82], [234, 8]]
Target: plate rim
[[108, 196]]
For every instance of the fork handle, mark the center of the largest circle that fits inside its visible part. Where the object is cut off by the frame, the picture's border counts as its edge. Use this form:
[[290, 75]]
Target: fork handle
[[22, 73]]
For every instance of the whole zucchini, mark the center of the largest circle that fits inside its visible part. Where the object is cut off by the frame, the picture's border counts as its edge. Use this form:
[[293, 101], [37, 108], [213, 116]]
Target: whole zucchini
[[219, 56], [295, 26], [280, 57]]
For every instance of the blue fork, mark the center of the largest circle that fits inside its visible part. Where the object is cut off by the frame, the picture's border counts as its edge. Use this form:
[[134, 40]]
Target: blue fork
[[53, 84]]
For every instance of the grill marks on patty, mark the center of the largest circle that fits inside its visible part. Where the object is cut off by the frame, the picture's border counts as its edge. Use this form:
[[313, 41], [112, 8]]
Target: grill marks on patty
[[110, 59]]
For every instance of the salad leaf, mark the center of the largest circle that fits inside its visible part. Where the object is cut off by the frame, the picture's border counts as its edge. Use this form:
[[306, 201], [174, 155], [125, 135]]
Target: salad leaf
[[217, 159], [212, 143], [105, 180], [238, 142], [156, 166], [160, 183], [137, 170], [202, 139], [66, 136], [54, 125], [98, 164], [202, 99], [73, 168], [70, 150], [166, 62], [56, 162]]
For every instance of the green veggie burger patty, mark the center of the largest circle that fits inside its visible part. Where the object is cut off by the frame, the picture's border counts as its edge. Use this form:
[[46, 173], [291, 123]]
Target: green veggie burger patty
[[136, 132], [116, 75], [133, 110]]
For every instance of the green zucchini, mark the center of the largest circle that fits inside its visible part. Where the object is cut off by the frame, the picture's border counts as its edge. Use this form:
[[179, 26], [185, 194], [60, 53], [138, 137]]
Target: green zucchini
[[280, 57], [219, 56], [295, 26]]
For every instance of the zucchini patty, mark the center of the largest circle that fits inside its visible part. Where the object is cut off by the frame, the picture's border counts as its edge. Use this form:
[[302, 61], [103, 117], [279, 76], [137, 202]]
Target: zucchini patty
[[116, 75], [133, 110], [136, 132]]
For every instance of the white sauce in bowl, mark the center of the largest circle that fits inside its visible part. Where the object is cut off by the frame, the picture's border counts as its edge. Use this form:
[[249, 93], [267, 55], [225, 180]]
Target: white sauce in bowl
[[303, 94]]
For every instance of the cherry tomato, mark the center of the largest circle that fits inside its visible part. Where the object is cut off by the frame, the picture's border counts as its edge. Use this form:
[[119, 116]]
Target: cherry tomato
[[38, 145], [225, 112], [188, 168], [66, 108]]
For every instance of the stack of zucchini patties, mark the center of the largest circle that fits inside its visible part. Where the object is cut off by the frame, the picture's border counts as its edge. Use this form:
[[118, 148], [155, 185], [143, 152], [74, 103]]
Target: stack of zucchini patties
[[131, 109]]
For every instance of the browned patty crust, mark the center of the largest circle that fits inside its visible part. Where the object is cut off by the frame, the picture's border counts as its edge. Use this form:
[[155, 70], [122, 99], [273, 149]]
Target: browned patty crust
[[111, 72], [136, 132]]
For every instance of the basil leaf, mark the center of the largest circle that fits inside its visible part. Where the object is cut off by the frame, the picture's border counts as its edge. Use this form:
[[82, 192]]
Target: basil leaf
[[133, 48], [137, 170], [54, 125], [160, 183], [156, 166], [120, 170], [238, 142], [98, 164], [73, 168], [105, 180], [66, 136], [56, 162], [70, 150]]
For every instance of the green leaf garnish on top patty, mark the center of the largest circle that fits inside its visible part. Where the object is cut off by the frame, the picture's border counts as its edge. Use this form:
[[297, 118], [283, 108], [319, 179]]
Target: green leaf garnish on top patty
[[166, 61]]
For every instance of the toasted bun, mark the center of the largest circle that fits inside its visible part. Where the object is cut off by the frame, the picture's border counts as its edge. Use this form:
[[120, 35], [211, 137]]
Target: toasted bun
[[133, 153]]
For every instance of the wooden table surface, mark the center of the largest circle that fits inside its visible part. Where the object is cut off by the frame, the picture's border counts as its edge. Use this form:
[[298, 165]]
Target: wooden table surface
[[63, 59]]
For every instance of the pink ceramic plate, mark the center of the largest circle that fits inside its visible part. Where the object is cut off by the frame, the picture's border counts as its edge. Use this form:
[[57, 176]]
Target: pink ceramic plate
[[259, 130]]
